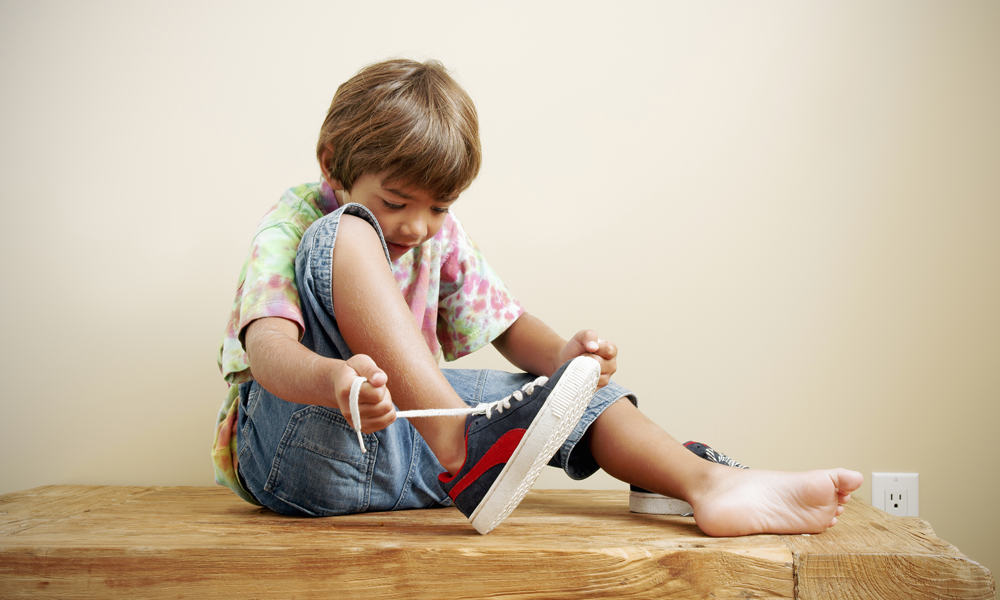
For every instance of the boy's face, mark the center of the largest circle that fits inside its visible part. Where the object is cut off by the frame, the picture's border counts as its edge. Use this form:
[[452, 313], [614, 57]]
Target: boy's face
[[407, 215]]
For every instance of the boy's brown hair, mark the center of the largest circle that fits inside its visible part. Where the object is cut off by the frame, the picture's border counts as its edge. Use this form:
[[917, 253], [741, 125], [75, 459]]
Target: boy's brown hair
[[408, 120]]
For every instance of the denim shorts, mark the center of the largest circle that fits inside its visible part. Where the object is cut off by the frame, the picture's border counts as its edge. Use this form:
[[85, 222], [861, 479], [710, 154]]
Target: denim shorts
[[305, 460]]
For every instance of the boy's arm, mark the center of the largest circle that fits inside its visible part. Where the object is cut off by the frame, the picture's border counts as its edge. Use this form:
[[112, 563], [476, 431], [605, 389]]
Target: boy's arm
[[533, 346], [290, 371]]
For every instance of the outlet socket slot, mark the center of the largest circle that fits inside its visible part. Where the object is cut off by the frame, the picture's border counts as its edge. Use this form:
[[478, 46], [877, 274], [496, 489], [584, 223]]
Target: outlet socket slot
[[897, 493]]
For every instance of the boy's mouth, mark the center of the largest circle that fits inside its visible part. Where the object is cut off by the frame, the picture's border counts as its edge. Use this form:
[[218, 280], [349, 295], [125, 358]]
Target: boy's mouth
[[398, 249]]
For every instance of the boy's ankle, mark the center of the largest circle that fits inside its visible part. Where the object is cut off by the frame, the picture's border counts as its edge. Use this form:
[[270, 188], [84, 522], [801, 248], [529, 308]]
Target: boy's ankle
[[713, 480], [452, 467], [451, 452], [453, 464]]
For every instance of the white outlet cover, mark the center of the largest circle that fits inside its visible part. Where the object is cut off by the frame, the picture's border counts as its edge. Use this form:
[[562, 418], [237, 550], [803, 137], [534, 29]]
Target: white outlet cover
[[909, 482]]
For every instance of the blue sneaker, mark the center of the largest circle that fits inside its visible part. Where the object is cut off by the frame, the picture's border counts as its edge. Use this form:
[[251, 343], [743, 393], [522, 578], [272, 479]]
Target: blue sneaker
[[647, 502], [712, 456], [507, 446]]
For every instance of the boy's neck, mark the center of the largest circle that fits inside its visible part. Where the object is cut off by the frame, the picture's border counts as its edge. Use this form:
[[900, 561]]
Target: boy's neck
[[330, 202]]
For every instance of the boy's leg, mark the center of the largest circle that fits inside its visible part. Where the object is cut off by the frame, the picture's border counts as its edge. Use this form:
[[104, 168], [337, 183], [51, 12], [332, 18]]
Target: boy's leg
[[374, 320], [305, 460], [492, 458], [726, 501]]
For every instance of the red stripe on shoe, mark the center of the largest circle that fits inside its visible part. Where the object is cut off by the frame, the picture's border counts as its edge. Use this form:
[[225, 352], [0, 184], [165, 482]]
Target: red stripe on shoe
[[498, 454]]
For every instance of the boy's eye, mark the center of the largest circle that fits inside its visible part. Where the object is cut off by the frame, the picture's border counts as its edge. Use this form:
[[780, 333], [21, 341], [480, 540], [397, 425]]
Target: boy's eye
[[391, 206], [441, 209]]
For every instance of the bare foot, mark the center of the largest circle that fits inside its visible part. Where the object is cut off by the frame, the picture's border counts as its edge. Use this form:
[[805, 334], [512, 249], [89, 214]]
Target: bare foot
[[744, 502]]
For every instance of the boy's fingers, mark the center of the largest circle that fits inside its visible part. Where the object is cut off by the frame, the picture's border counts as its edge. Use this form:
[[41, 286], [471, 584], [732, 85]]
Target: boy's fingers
[[373, 425], [588, 339], [374, 401], [375, 408], [608, 349], [365, 367], [602, 348]]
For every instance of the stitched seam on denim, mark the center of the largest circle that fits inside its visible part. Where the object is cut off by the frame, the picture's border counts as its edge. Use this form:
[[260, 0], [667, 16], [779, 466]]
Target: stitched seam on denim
[[335, 420], [570, 444], [324, 264], [484, 375], [272, 476], [370, 457], [359, 210], [414, 448], [325, 238], [364, 467], [252, 397], [245, 486], [589, 409], [316, 273], [248, 410], [321, 235], [301, 509], [288, 439], [242, 451]]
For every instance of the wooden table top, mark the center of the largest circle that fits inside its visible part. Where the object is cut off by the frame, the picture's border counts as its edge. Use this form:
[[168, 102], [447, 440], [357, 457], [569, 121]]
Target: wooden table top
[[168, 542]]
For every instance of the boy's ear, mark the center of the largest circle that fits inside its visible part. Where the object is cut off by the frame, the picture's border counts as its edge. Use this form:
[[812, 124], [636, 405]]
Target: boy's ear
[[324, 157]]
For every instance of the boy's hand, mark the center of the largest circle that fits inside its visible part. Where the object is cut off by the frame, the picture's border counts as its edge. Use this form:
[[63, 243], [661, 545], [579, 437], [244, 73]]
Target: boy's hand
[[586, 343], [374, 401]]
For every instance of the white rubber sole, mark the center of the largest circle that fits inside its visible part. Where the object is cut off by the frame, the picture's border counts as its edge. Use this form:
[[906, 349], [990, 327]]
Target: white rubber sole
[[553, 424], [656, 504]]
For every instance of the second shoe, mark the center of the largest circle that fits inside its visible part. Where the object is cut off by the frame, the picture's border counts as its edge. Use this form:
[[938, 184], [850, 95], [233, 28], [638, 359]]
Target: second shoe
[[647, 502]]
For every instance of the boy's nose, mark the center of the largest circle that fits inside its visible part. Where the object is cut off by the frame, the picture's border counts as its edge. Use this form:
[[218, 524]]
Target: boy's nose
[[415, 228]]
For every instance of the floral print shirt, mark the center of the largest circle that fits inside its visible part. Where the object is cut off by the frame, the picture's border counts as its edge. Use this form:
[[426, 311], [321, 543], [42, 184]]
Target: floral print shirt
[[460, 304]]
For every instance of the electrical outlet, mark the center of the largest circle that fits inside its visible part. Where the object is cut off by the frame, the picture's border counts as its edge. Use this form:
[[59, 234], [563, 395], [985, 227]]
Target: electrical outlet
[[896, 502], [897, 493]]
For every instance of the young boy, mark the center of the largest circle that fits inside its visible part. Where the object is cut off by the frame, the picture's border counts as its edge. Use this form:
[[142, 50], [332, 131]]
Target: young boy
[[368, 274]]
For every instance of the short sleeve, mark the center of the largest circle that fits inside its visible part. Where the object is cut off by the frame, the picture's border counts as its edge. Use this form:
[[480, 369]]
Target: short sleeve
[[474, 305], [267, 283]]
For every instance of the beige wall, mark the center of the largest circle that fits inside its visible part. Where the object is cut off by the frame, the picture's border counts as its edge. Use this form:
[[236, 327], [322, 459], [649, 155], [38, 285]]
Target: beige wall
[[786, 214]]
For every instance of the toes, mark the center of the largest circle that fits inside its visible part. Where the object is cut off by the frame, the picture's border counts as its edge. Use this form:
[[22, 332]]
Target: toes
[[839, 511], [846, 481]]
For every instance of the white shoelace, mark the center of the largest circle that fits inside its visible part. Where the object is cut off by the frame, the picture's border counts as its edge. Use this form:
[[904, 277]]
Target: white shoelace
[[486, 408]]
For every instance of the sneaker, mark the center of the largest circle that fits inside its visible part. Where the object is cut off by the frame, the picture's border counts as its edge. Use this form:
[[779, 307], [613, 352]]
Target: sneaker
[[647, 502], [507, 446], [712, 456]]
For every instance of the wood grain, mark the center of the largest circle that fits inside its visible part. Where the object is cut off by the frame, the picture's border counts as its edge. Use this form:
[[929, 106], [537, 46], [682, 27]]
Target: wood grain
[[872, 555], [104, 542]]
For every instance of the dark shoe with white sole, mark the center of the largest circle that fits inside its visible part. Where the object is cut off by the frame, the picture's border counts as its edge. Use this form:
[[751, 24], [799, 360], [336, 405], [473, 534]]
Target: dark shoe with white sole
[[507, 446], [651, 503]]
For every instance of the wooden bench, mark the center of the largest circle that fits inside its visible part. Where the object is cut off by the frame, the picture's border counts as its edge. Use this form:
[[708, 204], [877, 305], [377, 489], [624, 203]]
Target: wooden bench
[[171, 542]]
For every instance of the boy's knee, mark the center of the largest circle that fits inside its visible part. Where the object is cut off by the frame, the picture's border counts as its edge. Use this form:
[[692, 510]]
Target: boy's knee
[[331, 231], [360, 240], [356, 230]]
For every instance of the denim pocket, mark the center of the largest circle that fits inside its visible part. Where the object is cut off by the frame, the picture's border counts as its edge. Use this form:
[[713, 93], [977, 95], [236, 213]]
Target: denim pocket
[[319, 468]]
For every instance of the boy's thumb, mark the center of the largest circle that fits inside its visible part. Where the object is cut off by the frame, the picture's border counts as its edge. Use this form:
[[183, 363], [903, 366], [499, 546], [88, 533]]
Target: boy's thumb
[[366, 367]]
